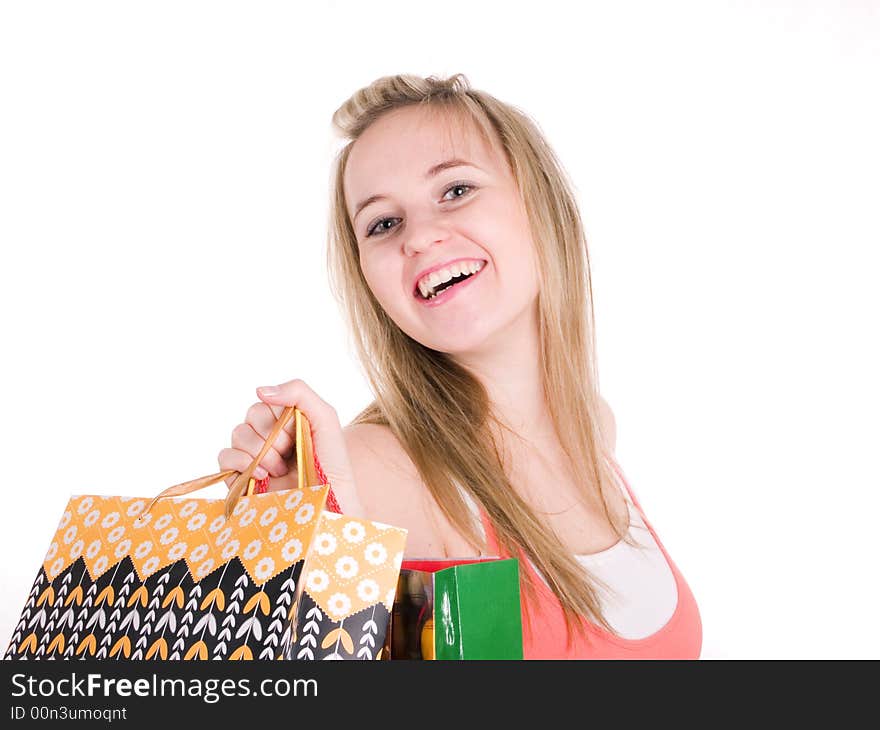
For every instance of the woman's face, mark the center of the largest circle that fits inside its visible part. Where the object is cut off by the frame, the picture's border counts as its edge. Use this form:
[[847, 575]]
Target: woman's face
[[423, 214]]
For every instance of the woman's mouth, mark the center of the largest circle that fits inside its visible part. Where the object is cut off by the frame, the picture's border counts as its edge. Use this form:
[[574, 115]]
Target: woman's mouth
[[442, 293]]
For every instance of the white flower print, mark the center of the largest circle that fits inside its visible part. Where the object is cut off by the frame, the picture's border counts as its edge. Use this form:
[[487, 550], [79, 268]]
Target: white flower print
[[248, 517], [189, 508], [353, 532], [123, 548], [151, 565], [93, 549], [143, 520], [264, 568], [317, 581], [163, 522], [216, 523], [65, 519], [292, 502], [178, 551], [143, 549], [85, 505], [57, 566], [332, 516], [53, 549], [325, 543], [304, 514], [135, 508], [338, 605], [69, 534], [268, 517], [230, 550], [200, 552], [278, 531], [76, 549], [205, 568], [196, 521], [224, 536], [346, 567], [252, 549], [375, 553], [292, 550], [91, 518], [110, 519], [101, 564], [170, 535], [241, 506], [116, 533], [368, 590]]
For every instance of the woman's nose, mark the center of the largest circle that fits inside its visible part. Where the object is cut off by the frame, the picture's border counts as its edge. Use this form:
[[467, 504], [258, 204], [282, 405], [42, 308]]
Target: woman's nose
[[424, 234]]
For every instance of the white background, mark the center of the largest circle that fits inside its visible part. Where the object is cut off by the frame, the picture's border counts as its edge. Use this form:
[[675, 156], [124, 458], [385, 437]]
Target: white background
[[164, 172]]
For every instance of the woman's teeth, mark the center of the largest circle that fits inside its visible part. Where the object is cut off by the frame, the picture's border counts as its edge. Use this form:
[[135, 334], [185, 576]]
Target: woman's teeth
[[432, 284]]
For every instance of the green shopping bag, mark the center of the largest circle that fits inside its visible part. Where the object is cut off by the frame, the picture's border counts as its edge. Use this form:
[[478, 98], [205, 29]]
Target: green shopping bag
[[455, 608]]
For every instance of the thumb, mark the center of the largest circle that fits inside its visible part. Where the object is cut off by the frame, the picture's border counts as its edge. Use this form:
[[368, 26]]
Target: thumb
[[297, 393]]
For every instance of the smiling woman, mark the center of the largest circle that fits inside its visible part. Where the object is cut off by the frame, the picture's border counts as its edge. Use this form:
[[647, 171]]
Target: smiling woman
[[458, 255], [446, 196]]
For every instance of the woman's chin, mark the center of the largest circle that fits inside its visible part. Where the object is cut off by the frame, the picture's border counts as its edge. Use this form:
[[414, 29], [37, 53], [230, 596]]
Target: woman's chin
[[456, 345], [446, 341]]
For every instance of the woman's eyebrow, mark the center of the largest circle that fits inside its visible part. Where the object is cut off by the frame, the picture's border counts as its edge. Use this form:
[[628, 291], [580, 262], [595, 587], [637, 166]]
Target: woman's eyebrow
[[441, 166], [432, 172]]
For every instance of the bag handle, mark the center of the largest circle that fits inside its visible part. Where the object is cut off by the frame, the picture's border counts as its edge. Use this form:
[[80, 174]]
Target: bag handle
[[308, 471]]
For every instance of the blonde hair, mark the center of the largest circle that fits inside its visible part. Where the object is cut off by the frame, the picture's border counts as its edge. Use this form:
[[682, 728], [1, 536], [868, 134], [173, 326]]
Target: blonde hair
[[440, 412]]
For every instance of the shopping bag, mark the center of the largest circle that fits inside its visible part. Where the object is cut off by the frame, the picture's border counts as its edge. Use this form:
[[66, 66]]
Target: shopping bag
[[457, 608], [174, 577], [348, 587]]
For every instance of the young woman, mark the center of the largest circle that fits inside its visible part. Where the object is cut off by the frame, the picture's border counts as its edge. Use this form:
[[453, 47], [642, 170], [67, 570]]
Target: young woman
[[458, 255]]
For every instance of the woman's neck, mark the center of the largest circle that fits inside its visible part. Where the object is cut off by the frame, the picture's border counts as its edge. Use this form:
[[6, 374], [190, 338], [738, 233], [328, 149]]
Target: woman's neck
[[509, 368]]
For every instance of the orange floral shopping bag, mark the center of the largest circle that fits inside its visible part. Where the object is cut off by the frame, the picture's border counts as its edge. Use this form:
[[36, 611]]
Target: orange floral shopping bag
[[254, 576]]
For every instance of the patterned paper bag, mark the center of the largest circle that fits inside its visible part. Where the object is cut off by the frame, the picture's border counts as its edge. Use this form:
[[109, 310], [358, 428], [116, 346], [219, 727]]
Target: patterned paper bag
[[348, 588], [179, 578], [183, 583]]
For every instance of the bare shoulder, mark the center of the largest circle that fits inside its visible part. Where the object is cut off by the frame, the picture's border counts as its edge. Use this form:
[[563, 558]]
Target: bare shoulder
[[390, 486], [377, 455], [609, 425]]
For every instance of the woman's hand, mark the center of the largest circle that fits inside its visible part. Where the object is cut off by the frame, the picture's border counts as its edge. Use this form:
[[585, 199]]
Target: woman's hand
[[279, 462]]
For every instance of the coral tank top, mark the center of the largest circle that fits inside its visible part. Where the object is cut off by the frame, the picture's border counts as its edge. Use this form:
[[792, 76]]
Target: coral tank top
[[545, 637]]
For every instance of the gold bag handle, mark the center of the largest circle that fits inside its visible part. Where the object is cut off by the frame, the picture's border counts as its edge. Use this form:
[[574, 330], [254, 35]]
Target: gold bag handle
[[243, 483]]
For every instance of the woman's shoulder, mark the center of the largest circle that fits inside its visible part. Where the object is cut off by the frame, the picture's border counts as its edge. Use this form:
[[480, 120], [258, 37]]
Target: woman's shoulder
[[609, 424], [390, 486], [377, 455]]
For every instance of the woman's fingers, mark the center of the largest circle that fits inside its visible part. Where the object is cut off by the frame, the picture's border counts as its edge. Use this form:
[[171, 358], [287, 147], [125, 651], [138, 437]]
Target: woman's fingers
[[239, 460], [262, 417], [297, 393], [233, 459], [245, 439]]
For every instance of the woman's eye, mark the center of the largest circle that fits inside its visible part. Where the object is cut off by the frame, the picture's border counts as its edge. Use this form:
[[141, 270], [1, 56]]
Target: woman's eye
[[456, 187], [379, 228], [380, 223]]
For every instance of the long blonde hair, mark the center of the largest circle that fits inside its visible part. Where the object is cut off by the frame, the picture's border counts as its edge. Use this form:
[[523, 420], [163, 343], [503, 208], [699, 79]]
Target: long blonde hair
[[440, 412]]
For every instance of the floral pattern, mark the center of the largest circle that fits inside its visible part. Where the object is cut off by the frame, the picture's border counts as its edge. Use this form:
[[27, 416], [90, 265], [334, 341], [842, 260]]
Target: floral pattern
[[277, 525], [171, 589], [352, 563], [278, 531]]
